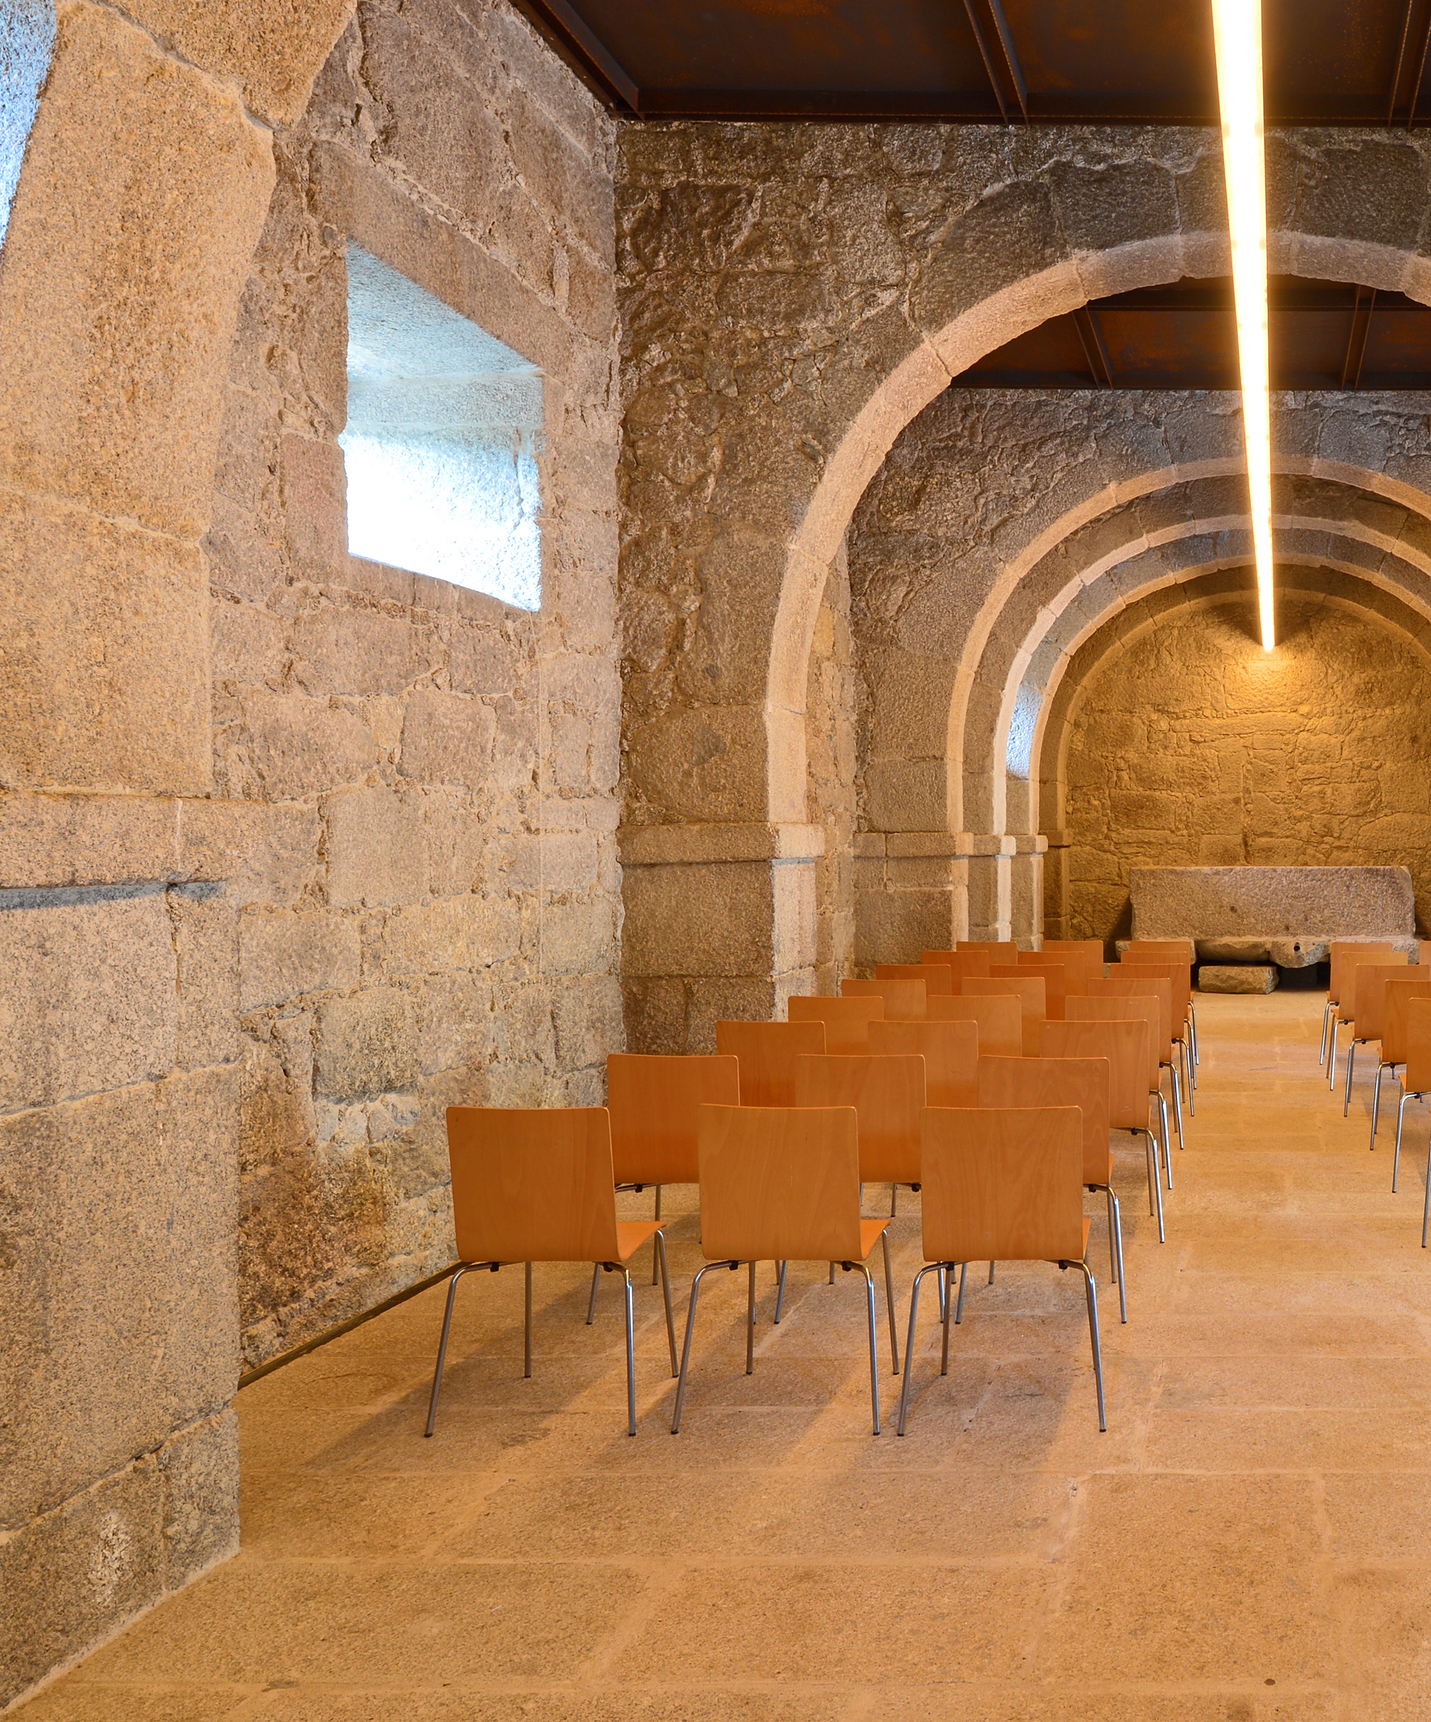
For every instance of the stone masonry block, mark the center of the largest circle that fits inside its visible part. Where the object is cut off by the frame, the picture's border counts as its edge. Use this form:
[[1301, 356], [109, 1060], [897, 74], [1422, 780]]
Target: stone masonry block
[[468, 932], [367, 1044], [143, 195], [284, 953], [104, 667], [90, 998], [447, 739], [205, 927], [377, 848], [716, 919]]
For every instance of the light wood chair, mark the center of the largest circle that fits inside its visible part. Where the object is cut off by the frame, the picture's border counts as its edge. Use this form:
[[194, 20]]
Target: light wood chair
[[781, 1184], [1368, 1012], [959, 963], [1155, 986], [904, 1001], [846, 1021], [1353, 962], [950, 1051], [652, 1099], [999, 950], [1178, 975], [1074, 970], [1055, 980], [1002, 1184], [539, 1185], [767, 1052], [937, 977], [1393, 1030], [1339, 950], [999, 1020], [1173, 951], [1091, 951], [1082, 1082], [1032, 994], [1125, 1043]]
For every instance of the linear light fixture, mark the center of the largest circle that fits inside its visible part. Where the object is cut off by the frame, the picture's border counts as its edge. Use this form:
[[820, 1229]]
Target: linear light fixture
[[1237, 31]]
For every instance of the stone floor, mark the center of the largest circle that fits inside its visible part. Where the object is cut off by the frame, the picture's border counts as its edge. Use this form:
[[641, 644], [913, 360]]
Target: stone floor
[[1251, 1538]]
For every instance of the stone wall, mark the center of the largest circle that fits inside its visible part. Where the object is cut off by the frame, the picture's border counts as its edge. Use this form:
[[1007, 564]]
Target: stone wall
[[295, 850], [1187, 746], [830, 746]]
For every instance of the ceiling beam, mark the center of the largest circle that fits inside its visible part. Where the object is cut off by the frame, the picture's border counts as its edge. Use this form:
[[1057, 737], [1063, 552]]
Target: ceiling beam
[[584, 51], [988, 60], [1356, 337], [1016, 71]]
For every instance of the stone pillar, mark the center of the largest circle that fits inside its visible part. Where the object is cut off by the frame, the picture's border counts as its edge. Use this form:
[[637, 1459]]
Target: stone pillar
[[911, 894], [1026, 891], [720, 922], [990, 886], [1055, 887]]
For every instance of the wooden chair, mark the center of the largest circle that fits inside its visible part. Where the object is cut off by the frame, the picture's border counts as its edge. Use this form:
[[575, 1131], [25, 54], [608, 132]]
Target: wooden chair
[[1178, 975], [781, 1184], [1091, 951], [904, 1001], [652, 1099], [950, 1051], [1368, 1012], [999, 950], [959, 963], [846, 1021], [767, 1052], [539, 1185], [1340, 949], [1155, 986], [1071, 969], [937, 977], [1055, 980], [1393, 1030], [999, 1020], [1173, 951], [1082, 1082], [1353, 962], [1125, 1043], [1032, 994], [1002, 1184]]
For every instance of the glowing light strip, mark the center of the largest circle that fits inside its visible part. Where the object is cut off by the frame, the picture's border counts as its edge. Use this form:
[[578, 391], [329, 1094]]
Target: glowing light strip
[[1237, 31]]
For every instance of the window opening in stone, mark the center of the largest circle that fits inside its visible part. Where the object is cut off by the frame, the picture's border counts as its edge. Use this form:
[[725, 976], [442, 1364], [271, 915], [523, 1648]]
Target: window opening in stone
[[444, 426], [27, 40]]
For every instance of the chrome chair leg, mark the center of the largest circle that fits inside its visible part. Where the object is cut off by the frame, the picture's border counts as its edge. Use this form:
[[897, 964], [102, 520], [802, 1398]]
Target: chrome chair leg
[[1092, 1292], [630, 1355], [1177, 1110], [1189, 1077], [1196, 1044], [527, 1349], [1351, 1065], [1152, 1171], [780, 1290], [943, 1299], [1400, 1121], [1115, 1249], [750, 1325], [1167, 1141], [686, 1348], [958, 1313], [933, 1268], [655, 1265], [1426, 1211], [1177, 1102], [1332, 1060], [1154, 1149], [466, 1268], [591, 1307], [666, 1293], [893, 1199], [1326, 1026], [991, 1273], [874, 1341], [889, 1300], [1376, 1099]]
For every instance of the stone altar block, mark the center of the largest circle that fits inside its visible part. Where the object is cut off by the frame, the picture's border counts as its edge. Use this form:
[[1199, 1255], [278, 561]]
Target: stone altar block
[[1285, 915]]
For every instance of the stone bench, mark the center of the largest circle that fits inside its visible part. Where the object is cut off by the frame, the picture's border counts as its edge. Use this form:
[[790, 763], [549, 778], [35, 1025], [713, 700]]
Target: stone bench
[[1271, 918]]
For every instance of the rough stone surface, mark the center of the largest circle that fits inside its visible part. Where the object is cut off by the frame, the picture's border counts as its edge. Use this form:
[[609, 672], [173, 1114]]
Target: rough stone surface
[[1237, 978]]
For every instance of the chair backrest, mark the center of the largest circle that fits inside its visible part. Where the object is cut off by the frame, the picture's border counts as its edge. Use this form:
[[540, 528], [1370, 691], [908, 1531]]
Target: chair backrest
[[887, 1094], [1341, 949], [1091, 950], [1163, 950], [1352, 965], [999, 950], [532, 1184], [904, 1001], [846, 1021], [1076, 972], [1124, 1044], [767, 1052], [1002, 1184], [1138, 986], [1418, 1046], [652, 1099], [1032, 995], [937, 977], [1178, 975], [1124, 1007], [1369, 995], [959, 963], [1399, 991], [779, 1183], [999, 1020], [950, 1051], [1055, 980], [1086, 1083]]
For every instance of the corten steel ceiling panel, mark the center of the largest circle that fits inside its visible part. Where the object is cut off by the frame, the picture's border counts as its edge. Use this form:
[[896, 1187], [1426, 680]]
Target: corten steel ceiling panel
[[1349, 61]]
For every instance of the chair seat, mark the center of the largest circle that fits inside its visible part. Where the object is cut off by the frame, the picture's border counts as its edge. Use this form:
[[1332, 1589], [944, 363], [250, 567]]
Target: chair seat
[[870, 1234], [631, 1234]]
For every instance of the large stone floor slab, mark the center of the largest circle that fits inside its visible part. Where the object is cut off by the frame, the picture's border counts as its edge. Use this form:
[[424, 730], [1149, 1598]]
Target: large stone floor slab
[[1250, 1540]]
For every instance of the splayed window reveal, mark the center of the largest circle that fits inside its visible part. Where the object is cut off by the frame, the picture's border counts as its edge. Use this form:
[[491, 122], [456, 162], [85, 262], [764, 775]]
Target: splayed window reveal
[[1021, 733], [444, 426], [27, 42]]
